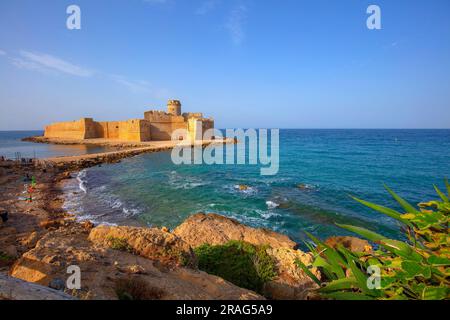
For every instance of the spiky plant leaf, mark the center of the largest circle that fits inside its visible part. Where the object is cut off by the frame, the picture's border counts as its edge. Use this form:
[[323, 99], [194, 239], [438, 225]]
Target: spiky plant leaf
[[405, 205], [387, 211], [307, 271], [348, 296], [370, 235], [340, 284], [448, 186], [443, 196]]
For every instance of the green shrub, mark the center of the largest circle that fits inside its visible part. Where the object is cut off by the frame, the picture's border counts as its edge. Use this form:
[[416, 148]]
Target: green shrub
[[119, 244], [241, 263], [5, 257], [416, 269]]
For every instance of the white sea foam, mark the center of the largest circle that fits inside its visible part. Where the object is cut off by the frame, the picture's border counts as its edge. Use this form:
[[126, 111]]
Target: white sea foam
[[82, 184], [178, 181], [272, 205], [268, 215]]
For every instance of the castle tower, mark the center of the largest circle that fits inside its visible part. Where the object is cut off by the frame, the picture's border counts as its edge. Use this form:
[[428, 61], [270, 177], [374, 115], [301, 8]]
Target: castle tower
[[174, 107]]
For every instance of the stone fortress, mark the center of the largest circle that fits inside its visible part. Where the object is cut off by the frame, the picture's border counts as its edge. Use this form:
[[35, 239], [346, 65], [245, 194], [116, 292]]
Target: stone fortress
[[156, 126]]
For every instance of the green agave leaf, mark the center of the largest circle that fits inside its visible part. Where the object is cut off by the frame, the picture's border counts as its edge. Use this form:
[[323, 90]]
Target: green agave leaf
[[448, 186], [435, 293], [442, 195], [348, 296], [314, 239], [387, 282], [327, 269], [370, 235], [405, 205], [360, 277], [414, 269], [438, 261], [340, 284], [310, 247], [335, 260], [307, 271], [384, 210], [400, 248], [321, 262]]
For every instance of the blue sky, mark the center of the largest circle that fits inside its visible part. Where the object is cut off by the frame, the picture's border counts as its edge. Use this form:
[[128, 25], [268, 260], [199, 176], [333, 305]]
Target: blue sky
[[247, 63]]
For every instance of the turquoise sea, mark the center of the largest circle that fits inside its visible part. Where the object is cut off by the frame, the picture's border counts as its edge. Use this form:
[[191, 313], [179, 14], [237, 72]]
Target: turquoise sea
[[330, 164]]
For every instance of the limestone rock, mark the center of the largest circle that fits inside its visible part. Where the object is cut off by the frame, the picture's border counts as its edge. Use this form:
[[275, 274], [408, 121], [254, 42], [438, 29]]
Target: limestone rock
[[291, 282], [47, 224], [102, 267], [10, 251], [16, 289], [66, 175], [31, 240], [151, 243], [351, 243], [215, 229]]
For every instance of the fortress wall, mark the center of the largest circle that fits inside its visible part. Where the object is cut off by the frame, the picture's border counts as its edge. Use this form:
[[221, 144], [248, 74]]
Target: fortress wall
[[197, 127], [157, 125], [207, 124], [68, 130], [108, 129], [90, 129], [134, 130], [161, 131], [129, 130], [161, 116], [145, 130], [188, 115], [162, 124]]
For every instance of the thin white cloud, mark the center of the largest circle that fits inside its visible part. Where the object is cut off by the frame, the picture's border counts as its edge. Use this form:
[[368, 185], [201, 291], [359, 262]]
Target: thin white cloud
[[45, 62], [2, 53], [50, 62], [235, 24], [206, 7], [29, 65], [141, 86]]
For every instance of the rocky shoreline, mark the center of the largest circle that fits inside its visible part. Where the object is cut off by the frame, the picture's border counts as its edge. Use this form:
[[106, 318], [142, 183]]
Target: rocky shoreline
[[40, 241]]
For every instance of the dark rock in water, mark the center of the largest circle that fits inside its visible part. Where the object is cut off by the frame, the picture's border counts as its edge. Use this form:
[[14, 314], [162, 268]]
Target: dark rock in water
[[57, 284]]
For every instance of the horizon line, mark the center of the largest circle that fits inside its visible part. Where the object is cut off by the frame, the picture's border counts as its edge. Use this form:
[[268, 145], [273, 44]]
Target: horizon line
[[25, 130]]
